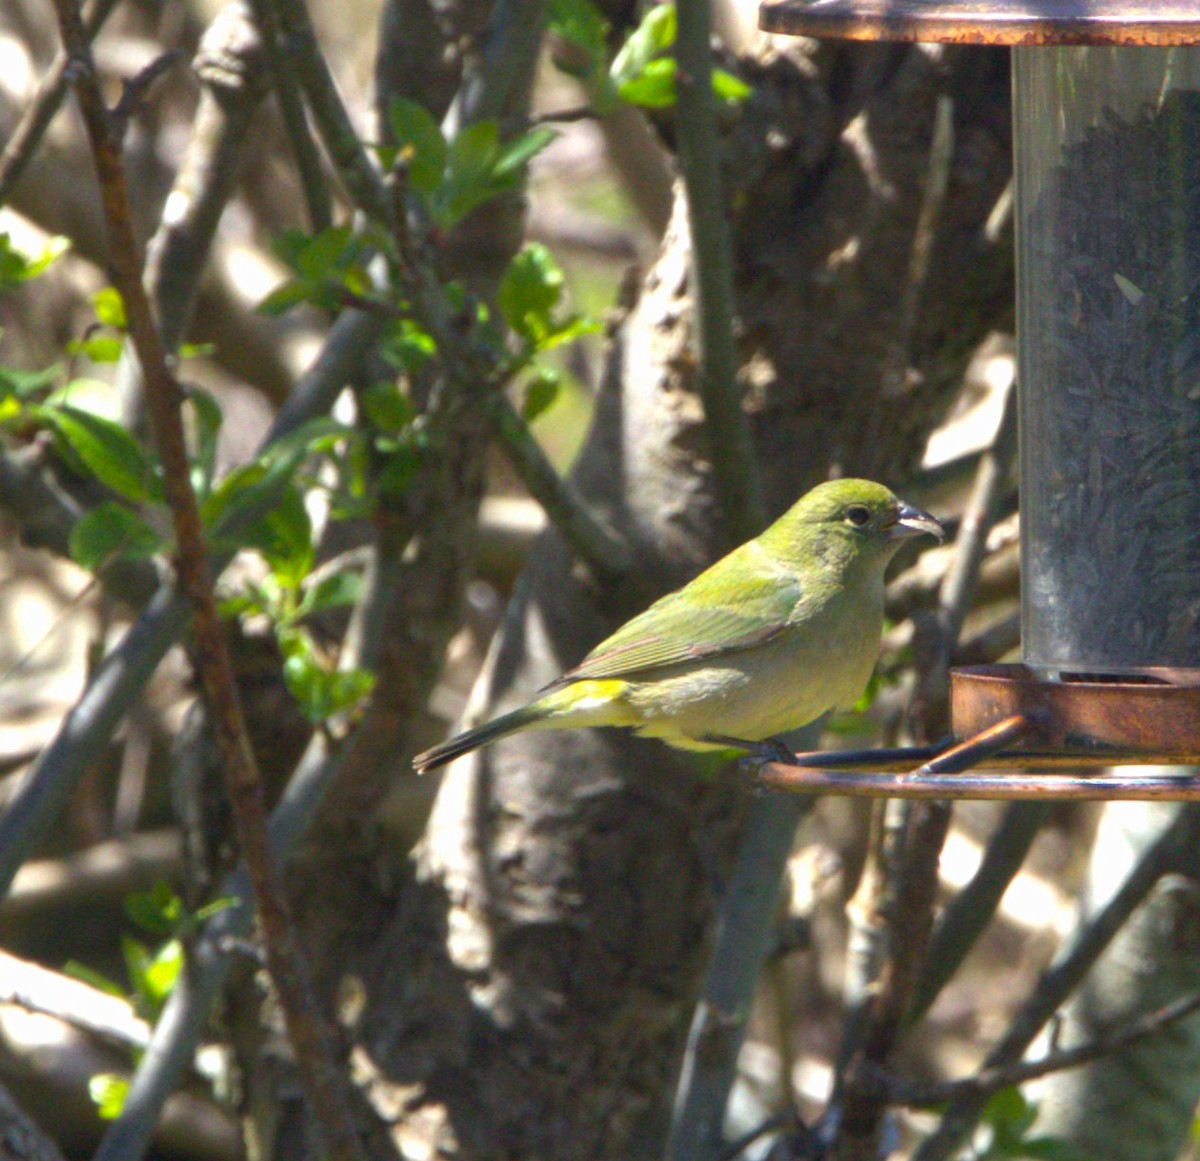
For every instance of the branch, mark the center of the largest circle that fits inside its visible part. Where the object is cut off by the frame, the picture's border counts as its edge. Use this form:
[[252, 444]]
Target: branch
[[295, 119], [46, 513], [38, 989], [310, 1036], [597, 542], [937, 179], [21, 1139], [936, 645], [175, 1036], [351, 161], [744, 924], [990, 1081], [1063, 977], [735, 469], [105, 871], [230, 66], [36, 119]]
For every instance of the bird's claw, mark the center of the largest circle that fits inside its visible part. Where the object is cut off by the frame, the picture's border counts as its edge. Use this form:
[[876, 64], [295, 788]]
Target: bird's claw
[[768, 750]]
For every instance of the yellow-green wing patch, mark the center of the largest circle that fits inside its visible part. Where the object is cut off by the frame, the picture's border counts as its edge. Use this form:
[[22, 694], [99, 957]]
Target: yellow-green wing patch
[[724, 610]]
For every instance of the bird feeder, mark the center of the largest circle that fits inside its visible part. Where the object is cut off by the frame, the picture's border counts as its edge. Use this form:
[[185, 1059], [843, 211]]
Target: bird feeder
[[1107, 217]]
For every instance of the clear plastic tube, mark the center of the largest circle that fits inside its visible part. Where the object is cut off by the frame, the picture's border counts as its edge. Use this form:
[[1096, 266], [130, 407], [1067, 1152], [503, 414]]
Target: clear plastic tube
[[1108, 268]]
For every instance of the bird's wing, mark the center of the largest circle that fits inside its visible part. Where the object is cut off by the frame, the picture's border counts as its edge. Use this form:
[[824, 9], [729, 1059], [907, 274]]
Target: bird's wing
[[724, 610]]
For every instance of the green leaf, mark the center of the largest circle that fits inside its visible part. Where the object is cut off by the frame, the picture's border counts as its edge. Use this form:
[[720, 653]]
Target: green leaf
[[521, 150], [105, 448], [251, 489], [540, 392], [108, 531], [407, 347], [110, 308], [652, 37], [469, 180], [108, 1092], [1052, 1149], [319, 691], [582, 24], [653, 87], [325, 252], [284, 537], [421, 144], [17, 267], [162, 973], [89, 975], [728, 88], [216, 907], [285, 296], [387, 407], [25, 385], [157, 911], [530, 290], [208, 419], [336, 590], [98, 348], [400, 467], [473, 153]]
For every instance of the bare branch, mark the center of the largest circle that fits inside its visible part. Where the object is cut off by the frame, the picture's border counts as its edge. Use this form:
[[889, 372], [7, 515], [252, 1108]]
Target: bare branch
[[989, 1081], [735, 469], [311, 1037], [25, 138]]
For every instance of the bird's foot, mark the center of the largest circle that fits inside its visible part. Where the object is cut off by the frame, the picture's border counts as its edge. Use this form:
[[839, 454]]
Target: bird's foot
[[768, 750]]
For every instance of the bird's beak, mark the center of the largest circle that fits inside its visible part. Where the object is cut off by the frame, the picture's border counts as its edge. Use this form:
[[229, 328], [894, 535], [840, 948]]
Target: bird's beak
[[913, 521]]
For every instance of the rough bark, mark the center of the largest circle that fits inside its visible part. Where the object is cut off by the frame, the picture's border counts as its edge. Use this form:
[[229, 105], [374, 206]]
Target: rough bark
[[530, 996]]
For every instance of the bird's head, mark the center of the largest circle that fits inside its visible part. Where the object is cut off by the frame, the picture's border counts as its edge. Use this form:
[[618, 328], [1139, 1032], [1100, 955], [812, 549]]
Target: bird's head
[[843, 521]]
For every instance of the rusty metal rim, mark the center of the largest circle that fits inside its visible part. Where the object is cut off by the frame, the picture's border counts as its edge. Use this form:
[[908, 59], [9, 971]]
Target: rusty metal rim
[[1149, 711], [1003, 22]]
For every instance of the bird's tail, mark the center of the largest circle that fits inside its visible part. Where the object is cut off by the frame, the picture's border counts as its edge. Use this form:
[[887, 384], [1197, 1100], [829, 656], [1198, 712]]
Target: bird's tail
[[506, 724]]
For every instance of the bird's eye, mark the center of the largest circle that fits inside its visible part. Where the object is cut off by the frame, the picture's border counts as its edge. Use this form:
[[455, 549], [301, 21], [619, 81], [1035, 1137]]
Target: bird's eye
[[858, 515]]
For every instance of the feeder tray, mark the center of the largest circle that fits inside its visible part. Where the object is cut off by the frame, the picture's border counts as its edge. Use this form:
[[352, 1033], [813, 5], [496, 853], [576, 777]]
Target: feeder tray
[[1145, 716]]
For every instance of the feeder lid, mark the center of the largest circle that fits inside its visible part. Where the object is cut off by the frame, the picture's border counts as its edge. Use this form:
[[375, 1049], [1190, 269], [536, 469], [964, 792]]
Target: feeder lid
[[1095, 22]]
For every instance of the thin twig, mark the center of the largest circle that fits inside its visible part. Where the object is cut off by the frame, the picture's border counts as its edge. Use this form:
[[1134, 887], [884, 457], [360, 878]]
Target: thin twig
[[936, 646], [898, 921], [134, 91], [588, 534], [937, 180], [735, 468], [27, 136], [565, 116], [989, 1081], [311, 1037]]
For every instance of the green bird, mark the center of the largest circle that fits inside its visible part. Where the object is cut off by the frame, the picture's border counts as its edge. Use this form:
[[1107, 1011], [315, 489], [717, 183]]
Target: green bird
[[769, 638]]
